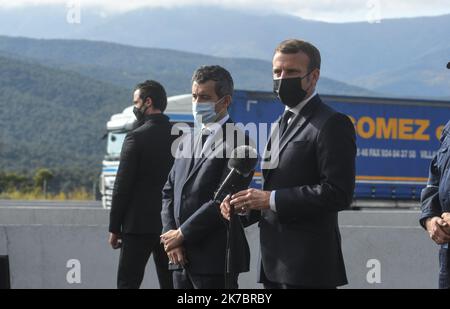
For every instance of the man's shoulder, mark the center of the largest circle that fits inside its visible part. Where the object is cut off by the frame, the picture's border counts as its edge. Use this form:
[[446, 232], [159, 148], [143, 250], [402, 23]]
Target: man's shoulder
[[150, 127], [329, 116], [322, 111], [137, 133]]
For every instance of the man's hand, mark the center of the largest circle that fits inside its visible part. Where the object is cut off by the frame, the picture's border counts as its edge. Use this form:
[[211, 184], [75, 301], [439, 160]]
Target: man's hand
[[446, 217], [172, 239], [437, 227], [177, 256], [225, 208], [251, 199], [115, 241]]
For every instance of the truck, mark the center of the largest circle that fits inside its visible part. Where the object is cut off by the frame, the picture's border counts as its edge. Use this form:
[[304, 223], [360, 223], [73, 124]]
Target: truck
[[178, 109], [396, 140]]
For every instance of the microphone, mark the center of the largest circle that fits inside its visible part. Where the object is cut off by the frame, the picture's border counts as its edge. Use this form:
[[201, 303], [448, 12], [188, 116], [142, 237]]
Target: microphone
[[448, 65], [242, 162]]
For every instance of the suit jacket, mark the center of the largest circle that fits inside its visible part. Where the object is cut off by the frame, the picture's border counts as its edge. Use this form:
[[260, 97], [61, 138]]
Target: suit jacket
[[435, 197], [145, 162], [314, 180], [188, 204]]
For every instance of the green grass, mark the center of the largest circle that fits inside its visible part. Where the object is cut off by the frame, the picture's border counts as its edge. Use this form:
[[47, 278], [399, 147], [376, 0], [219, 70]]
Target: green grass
[[76, 195]]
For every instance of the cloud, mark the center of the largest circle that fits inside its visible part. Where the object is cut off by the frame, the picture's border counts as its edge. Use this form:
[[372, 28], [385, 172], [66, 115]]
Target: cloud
[[324, 10]]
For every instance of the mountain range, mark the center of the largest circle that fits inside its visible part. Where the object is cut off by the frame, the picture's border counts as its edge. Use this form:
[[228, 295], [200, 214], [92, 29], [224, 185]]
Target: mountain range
[[59, 86], [57, 95], [397, 57]]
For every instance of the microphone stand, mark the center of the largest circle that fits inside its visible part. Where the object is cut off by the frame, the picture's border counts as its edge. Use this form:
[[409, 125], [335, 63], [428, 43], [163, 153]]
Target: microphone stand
[[230, 240]]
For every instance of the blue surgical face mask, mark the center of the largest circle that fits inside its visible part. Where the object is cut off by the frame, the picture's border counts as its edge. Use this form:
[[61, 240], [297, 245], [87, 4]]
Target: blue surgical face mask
[[205, 112]]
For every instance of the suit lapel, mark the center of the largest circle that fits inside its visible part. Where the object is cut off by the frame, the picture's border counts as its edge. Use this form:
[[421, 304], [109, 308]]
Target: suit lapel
[[295, 127], [273, 131], [196, 166], [211, 154], [185, 163]]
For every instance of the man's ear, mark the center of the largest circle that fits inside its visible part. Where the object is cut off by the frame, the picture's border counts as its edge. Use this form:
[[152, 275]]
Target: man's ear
[[148, 102], [227, 100], [316, 75]]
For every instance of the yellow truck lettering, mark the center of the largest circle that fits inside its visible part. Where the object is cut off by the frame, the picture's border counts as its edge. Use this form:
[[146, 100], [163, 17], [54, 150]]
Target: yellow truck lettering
[[393, 128]]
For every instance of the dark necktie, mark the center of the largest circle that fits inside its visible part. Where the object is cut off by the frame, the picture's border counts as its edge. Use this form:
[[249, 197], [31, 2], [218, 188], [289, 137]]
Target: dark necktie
[[284, 121], [201, 140], [205, 135]]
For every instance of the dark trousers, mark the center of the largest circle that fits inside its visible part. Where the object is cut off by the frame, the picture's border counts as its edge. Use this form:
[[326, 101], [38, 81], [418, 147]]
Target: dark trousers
[[283, 286], [135, 252], [183, 280], [444, 271], [270, 285]]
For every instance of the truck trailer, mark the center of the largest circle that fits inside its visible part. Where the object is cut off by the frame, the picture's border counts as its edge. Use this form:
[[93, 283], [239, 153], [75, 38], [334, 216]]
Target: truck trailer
[[396, 139]]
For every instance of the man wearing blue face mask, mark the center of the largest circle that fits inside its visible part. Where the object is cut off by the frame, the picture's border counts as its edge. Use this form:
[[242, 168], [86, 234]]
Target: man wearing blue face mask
[[206, 112], [194, 233]]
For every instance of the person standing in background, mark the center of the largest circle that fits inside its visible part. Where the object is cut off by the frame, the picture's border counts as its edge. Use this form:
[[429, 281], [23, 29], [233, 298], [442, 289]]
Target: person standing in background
[[145, 161], [435, 200]]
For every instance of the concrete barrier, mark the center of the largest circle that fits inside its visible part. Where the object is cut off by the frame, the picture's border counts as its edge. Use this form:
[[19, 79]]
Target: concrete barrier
[[67, 248]]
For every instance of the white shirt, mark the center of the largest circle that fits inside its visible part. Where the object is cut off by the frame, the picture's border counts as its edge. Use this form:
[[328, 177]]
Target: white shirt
[[296, 110], [214, 128]]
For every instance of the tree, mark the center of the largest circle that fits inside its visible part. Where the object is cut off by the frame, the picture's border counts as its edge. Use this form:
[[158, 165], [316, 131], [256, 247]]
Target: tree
[[12, 181], [41, 178]]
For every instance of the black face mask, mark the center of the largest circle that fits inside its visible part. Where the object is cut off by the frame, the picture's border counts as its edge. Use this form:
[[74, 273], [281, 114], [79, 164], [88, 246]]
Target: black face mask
[[140, 114], [289, 90]]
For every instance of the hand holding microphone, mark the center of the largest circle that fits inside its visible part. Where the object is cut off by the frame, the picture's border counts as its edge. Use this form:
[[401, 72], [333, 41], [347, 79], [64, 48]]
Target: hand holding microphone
[[242, 163], [251, 199], [225, 208]]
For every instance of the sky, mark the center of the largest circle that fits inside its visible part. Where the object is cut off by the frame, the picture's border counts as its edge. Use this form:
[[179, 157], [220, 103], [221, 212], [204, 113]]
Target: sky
[[322, 10]]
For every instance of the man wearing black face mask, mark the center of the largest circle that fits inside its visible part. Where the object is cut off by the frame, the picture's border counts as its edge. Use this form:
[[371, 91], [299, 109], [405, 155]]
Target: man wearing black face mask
[[139, 112], [145, 162], [313, 180]]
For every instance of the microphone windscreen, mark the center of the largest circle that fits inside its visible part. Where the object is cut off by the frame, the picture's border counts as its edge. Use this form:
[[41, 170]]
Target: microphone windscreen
[[243, 159]]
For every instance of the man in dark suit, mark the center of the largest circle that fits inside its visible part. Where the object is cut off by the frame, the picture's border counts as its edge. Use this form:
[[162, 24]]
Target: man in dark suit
[[146, 159], [309, 179], [195, 234]]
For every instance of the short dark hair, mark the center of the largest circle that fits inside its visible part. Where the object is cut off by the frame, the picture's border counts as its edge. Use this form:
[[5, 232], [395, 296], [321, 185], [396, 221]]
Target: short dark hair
[[223, 79], [154, 90], [293, 46]]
